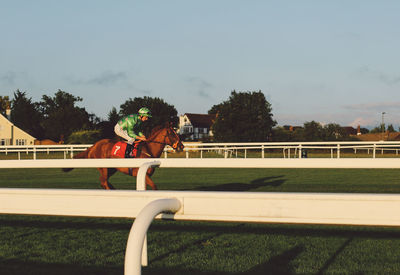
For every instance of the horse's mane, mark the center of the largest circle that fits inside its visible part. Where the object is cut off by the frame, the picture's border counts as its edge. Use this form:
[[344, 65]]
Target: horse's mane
[[158, 128]]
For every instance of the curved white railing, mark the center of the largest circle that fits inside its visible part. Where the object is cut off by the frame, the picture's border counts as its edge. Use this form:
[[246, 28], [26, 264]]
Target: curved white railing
[[137, 235]]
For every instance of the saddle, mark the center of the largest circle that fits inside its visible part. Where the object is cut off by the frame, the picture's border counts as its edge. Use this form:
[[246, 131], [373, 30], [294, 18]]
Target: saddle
[[124, 150]]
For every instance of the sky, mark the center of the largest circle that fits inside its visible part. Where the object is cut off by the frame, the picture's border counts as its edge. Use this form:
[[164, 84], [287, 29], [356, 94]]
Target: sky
[[327, 61]]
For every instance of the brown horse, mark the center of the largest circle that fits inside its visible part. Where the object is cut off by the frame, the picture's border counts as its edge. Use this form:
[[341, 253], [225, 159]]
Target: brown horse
[[151, 148]]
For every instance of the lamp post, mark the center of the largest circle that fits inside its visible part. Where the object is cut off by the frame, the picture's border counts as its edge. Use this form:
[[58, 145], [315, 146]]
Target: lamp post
[[383, 125]]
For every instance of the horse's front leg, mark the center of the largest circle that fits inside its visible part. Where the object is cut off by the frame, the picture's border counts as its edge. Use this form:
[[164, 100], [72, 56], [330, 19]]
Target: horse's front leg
[[150, 182]]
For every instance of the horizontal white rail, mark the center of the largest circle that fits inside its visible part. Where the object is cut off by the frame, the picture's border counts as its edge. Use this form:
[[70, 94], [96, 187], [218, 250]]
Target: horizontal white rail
[[366, 163], [355, 209]]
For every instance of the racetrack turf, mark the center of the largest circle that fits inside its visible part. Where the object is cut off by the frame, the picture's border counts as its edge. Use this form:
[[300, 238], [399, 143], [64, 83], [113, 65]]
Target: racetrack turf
[[63, 245]]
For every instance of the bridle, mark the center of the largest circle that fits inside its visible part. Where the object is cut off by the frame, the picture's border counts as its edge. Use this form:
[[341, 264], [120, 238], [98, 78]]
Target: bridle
[[174, 146]]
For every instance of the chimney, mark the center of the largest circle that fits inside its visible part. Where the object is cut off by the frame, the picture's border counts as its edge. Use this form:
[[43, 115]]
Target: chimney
[[358, 130]]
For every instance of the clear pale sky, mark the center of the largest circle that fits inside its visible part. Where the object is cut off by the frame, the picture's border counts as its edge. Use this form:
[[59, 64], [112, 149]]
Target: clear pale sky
[[328, 61]]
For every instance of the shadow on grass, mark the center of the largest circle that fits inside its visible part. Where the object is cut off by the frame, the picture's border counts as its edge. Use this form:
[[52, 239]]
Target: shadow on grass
[[334, 256], [254, 184], [45, 222], [281, 229], [277, 265], [19, 267], [27, 221]]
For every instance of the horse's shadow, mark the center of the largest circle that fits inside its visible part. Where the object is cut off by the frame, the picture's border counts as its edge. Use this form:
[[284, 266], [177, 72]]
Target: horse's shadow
[[274, 181]]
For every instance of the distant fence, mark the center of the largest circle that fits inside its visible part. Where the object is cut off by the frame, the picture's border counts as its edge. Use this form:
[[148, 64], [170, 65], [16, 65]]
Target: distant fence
[[33, 150], [228, 150], [294, 149]]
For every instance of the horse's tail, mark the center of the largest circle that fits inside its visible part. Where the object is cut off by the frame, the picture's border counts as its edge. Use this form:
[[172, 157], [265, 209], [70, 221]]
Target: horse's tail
[[81, 155]]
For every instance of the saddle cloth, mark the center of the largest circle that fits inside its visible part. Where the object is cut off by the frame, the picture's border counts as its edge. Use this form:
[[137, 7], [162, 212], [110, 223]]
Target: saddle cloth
[[124, 150]]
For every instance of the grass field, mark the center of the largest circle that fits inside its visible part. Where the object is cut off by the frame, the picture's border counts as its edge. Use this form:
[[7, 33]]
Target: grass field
[[61, 245]]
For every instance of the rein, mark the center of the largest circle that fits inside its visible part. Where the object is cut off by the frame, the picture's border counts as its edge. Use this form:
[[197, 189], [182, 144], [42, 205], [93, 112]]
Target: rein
[[153, 141], [161, 142], [158, 142]]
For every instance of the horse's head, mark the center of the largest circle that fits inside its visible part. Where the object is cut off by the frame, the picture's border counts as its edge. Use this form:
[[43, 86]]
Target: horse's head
[[173, 140], [165, 134]]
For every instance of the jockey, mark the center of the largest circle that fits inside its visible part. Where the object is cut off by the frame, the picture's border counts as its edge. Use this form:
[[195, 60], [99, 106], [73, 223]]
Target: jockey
[[129, 127]]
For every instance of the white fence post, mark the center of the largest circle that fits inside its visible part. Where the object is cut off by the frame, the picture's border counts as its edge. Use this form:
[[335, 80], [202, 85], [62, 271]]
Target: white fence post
[[300, 151], [139, 229], [141, 186], [141, 175], [338, 151], [374, 151]]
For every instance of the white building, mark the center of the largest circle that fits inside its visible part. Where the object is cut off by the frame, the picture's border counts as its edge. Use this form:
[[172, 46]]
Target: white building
[[195, 126], [12, 135]]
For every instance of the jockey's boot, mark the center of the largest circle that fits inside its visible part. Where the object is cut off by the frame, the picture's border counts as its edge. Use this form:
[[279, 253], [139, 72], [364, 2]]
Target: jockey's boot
[[128, 151]]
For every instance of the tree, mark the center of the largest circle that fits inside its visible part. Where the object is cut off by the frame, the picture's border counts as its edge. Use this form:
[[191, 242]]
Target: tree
[[378, 129], [113, 116], [4, 103], [106, 127], [281, 134], [390, 128], [245, 117], [161, 111], [333, 131], [25, 114], [84, 137], [313, 131], [364, 131], [61, 117]]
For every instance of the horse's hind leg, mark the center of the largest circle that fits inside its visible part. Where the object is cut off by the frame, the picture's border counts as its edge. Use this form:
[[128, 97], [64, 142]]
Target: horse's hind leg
[[104, 175], [149, 181]]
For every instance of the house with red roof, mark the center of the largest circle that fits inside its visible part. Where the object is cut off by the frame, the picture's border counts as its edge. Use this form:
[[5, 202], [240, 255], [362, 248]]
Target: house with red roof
[[195, 126]]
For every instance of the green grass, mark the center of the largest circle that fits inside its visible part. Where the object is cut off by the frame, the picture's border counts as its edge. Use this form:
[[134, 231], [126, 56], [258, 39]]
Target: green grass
[[63, 245]]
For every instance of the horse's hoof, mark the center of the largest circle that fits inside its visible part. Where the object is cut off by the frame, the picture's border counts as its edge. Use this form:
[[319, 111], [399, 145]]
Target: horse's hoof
[[108, 186]]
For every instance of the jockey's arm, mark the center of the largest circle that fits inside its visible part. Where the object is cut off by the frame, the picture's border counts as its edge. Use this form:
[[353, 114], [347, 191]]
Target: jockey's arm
[[141, 137], [128, 125]]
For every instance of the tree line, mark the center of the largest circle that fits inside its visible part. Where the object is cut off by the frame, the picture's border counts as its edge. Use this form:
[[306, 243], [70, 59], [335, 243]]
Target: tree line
[[60, 119], [243, 117]]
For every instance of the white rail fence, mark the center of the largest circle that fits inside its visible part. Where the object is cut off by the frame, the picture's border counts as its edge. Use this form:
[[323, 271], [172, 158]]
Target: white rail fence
[[311, 208], [229, 150]]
